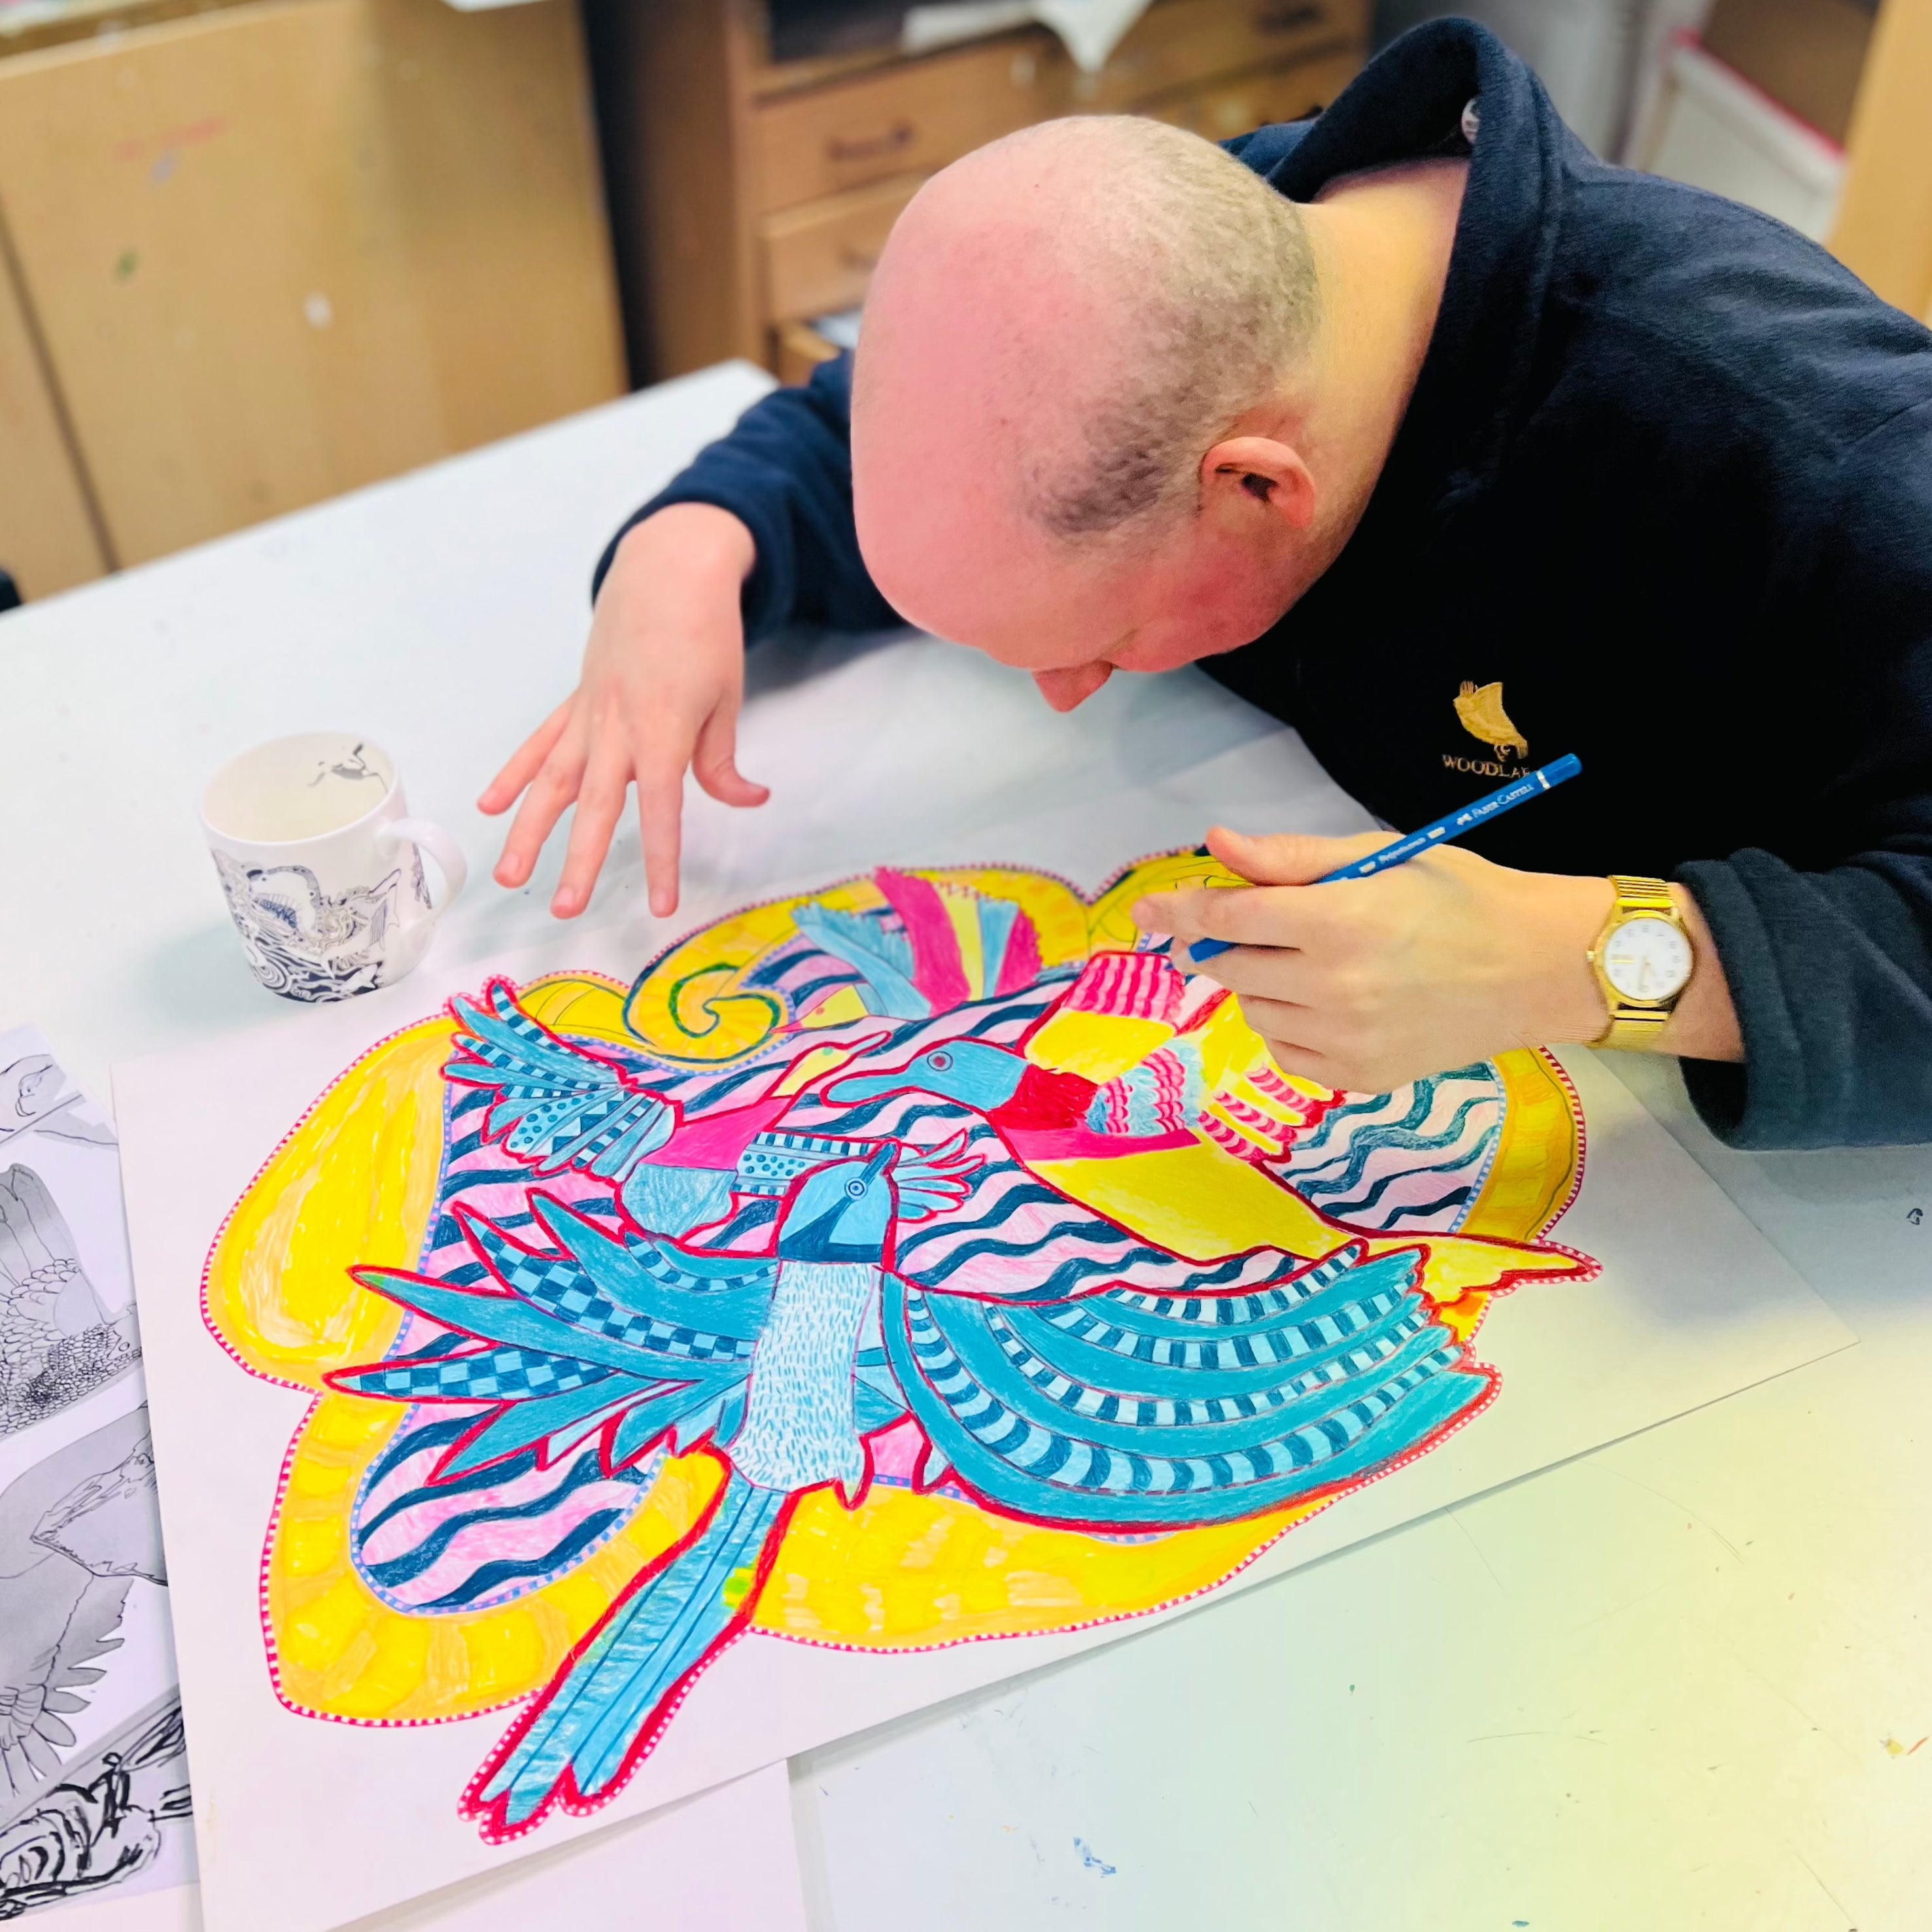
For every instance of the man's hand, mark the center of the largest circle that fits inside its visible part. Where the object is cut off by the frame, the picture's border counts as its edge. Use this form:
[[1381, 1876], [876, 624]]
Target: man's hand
[[1370, 983], [663, 675]]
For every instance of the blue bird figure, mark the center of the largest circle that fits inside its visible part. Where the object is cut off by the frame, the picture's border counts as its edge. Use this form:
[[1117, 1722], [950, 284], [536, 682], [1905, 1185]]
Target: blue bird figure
[[1059, 1369], [759, 1354], [790, 1263]]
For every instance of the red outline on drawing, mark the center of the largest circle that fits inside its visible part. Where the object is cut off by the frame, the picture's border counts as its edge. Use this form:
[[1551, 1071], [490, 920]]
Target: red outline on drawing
[[566, 1795]]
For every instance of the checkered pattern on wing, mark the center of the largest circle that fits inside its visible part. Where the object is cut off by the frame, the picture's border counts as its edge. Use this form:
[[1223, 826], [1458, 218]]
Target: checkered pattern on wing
[[556, 1106], [494, 1374], [776, 1159], [561, 1287]]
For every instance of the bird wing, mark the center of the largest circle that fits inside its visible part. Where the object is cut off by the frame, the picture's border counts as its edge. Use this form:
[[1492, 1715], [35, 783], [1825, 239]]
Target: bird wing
[[1016, 1238], [881, 954], [557, 1105], [48, 1666], [636, 1336], [933, 1179], [1129, 1409]]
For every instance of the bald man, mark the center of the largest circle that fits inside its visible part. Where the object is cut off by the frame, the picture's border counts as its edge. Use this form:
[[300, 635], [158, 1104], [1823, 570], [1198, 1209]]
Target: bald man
[[1444, 442]]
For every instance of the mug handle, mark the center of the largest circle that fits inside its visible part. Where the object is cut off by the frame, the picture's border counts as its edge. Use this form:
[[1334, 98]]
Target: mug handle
[[432, 838]]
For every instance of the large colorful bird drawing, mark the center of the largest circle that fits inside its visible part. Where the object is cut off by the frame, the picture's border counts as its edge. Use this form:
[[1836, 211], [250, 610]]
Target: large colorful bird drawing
[[893, 1242]]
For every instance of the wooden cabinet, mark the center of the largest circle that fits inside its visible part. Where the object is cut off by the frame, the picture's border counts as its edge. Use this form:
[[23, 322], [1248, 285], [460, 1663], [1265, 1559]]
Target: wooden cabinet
[[818, 259], [286, 248], [750, 194], [912, 118], [1884, 230], [48, 541], [1291, 92], [1185, 43]]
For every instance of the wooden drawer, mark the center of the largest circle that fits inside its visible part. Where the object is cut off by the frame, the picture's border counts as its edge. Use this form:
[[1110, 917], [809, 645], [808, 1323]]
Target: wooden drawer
[[917, 116], [1291, 92], [818, 259], [1183, 42]]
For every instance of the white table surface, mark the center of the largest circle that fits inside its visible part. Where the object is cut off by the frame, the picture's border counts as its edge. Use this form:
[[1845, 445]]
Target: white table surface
[[1678, 1684]]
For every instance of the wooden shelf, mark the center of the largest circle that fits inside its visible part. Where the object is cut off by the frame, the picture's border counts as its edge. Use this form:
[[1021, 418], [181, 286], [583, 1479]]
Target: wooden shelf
[[748, 194]]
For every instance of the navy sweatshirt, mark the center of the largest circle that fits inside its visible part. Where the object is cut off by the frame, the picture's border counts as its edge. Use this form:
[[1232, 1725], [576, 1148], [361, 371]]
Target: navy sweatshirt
[[1666, 477]]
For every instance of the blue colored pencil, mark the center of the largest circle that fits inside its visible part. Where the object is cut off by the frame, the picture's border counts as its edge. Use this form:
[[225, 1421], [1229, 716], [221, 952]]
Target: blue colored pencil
[[1452, 825]]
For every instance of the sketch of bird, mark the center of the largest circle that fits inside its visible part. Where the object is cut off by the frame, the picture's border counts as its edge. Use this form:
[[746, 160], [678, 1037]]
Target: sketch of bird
[[29, 1087], [64, 1589], [34, 1094], [48, 1307], [108, 1818], [49, 1653]]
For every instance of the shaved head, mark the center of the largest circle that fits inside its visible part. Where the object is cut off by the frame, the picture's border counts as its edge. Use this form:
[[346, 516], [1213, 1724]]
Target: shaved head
[[1130, 283], [1119, 404], [1062, 324]]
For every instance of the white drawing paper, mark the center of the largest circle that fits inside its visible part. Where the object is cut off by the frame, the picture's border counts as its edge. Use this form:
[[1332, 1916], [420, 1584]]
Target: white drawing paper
[[1691, 1305]]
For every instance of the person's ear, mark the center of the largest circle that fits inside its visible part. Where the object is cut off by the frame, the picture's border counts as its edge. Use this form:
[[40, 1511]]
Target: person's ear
[[1246, 471]]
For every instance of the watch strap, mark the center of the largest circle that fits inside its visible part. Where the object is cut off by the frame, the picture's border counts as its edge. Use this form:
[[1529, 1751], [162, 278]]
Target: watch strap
[[1634, 1024], [1636, 895], [1640, 1030]]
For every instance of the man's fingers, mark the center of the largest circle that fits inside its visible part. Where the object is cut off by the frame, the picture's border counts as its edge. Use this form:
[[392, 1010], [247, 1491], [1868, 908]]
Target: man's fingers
[[1305, 1063], [1278, 973], [549, 793], [502, 791], [660, 816], [1240, 915], [1290, 858], [1282, 1020], [714, 763], [600, 803]]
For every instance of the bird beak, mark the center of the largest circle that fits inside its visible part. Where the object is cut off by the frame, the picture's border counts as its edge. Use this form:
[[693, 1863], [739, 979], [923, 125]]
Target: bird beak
[[864, 1087]]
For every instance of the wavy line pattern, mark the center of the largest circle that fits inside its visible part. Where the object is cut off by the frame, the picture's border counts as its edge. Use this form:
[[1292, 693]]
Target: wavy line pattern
[[1383, 1162]]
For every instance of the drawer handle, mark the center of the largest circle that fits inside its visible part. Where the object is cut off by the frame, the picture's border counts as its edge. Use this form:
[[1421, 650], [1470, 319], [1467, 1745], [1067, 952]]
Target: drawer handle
[[1288, 17], [880, 147], [865, 262]]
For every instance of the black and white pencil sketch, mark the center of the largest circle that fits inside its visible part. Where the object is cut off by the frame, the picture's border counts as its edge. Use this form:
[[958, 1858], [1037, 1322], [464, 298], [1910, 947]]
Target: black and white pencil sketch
[[57, 1343], [122, 1809], [79, 1531], [34, 1093]]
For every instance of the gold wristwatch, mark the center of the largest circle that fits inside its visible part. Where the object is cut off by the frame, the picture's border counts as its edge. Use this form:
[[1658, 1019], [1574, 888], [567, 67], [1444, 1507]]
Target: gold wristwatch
[[1643, 961]]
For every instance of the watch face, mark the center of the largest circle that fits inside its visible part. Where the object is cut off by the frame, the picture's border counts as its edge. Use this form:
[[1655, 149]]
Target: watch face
[[1647, 959]]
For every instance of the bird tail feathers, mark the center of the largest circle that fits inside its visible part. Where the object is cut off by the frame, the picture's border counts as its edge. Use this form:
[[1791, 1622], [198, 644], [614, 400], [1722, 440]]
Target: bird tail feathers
[[583, 1741]]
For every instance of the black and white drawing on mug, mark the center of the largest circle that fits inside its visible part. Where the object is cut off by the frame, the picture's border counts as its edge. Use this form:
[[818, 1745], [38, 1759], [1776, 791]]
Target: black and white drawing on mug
[[305, 943]]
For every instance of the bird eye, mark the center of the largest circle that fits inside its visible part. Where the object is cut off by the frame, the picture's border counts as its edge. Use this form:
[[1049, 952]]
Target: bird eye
[[855, 1188], [939, 1062]]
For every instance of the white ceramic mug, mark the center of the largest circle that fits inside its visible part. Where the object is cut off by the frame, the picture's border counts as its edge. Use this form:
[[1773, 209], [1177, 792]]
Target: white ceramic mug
[[323, 865]]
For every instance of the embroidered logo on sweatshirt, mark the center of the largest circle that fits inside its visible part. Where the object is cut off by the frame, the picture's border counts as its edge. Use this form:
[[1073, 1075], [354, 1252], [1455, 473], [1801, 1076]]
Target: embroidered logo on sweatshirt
[[1479, 709]]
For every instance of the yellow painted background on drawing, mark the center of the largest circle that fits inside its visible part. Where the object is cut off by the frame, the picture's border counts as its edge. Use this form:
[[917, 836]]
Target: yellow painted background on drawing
[[355, 1185]]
